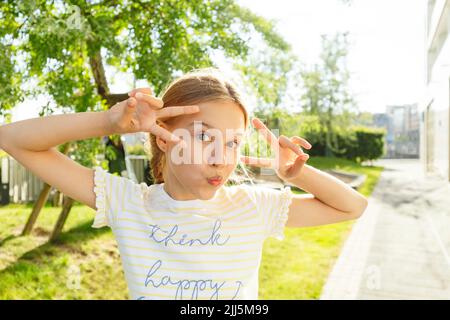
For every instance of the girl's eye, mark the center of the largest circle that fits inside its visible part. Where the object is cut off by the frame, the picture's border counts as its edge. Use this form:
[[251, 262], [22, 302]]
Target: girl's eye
[[233, 144], [204, 137]]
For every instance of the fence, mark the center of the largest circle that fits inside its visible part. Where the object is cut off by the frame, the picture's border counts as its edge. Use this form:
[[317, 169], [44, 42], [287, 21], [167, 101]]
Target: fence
[[23, 186]]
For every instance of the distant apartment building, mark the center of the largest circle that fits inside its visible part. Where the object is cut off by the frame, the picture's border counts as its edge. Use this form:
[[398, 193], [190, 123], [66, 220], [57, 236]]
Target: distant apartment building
[[402, 138], [435, 107], [403, 131]]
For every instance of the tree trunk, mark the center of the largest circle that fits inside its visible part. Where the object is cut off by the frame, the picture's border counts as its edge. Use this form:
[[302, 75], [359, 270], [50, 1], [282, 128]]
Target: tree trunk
[[96, 63], [95, 60]]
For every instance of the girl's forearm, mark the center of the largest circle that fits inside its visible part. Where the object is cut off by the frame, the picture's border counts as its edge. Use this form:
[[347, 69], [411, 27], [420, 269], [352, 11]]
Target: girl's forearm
[[39, 134], [329, 189]]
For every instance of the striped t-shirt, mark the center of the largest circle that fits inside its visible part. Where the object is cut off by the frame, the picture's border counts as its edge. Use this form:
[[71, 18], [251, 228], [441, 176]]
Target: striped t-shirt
[[192, 249]]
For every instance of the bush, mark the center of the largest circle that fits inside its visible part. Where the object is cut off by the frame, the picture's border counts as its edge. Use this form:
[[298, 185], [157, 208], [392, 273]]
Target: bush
[[309, 128], [357, 143], [370, 143]]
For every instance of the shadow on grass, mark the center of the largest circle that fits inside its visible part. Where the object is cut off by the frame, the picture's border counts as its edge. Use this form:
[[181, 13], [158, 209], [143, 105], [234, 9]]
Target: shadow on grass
[[68, 242], [24, 206], [8, 238]]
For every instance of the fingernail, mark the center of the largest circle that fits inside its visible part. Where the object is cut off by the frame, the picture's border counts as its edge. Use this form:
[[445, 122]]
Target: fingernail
[[139, 95]]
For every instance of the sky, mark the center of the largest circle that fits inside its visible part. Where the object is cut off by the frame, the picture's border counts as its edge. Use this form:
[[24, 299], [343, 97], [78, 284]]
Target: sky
[[386, 54]]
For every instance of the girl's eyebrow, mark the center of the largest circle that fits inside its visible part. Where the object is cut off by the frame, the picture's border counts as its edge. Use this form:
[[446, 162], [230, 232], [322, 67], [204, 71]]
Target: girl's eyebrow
[[200, 122], [238, 133]]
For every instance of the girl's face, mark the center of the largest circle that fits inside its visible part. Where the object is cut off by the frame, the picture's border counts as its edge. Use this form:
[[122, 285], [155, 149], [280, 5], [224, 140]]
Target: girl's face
[[213, 138]]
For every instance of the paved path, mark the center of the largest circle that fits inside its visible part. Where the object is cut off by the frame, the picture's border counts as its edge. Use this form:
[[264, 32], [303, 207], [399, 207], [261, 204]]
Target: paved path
[[400, 247]]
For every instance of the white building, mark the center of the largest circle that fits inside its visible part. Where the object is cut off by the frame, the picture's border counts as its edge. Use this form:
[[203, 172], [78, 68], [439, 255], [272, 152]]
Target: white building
[[403, 132], [435, 108]]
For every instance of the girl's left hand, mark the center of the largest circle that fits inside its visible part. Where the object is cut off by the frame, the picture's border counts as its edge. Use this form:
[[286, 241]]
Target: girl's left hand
[[289, 156]]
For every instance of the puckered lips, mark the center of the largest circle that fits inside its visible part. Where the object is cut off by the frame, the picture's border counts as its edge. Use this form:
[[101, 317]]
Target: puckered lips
[[215, 180]]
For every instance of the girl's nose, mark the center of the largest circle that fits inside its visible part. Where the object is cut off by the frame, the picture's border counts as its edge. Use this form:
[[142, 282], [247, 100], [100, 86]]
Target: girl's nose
[[217, 158], [217, 162]]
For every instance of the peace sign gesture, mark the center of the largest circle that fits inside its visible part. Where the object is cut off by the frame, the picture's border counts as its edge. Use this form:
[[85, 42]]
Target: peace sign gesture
[[289, 156], [140, 113]]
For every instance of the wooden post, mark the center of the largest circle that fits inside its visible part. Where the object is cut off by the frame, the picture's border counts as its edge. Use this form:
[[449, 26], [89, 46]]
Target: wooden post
[[57, 198], [67, 205], [43, 196]]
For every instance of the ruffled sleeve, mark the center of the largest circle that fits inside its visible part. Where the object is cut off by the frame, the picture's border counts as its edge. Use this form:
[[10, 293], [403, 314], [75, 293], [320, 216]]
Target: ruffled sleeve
[[273, 207], [101, 218], [111, 192], [280, 215]]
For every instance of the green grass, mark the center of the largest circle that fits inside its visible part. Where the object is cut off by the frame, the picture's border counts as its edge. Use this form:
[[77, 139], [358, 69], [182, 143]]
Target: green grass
[[32, 268]]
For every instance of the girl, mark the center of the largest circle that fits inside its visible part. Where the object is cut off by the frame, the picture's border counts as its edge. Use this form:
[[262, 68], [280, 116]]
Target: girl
[[188, 236]]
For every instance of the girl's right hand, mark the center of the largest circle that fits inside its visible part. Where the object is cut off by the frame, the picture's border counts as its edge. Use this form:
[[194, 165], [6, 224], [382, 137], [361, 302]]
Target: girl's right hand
[[140, 112]]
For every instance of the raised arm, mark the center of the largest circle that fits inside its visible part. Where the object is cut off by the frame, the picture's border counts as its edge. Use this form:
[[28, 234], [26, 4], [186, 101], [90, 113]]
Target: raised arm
[[33, 142], [330, 200]]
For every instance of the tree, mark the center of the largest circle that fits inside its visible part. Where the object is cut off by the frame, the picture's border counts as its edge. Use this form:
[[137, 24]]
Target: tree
[[325, 89], [62, 47], [267, 74]]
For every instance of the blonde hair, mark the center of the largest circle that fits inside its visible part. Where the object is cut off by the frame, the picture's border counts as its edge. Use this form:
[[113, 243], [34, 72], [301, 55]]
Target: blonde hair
[[197, 86]]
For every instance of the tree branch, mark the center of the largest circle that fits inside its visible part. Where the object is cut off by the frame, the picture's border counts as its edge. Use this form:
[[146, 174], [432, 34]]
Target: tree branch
[[98, 71], [114, 98]]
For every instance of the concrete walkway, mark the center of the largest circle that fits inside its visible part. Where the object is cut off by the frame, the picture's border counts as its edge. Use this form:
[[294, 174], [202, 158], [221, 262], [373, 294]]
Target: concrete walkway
[[400, 247]]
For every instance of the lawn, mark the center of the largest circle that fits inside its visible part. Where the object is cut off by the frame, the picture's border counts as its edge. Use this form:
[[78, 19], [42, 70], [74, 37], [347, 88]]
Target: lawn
[[31, 268]]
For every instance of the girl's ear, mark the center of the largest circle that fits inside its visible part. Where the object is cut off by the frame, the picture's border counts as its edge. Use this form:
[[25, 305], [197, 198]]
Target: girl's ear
[[160, 142]]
